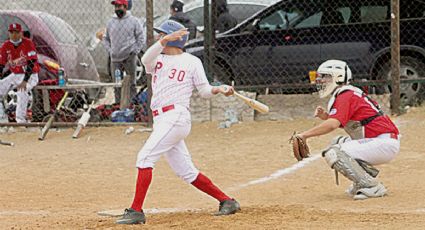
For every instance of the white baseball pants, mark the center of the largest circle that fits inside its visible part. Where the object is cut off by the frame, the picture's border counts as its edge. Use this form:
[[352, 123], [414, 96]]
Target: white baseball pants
[[379, 150], [11, 82], [169, 131]]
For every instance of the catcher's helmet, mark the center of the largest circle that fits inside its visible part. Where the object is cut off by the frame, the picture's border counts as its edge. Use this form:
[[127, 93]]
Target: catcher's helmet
[[169, 27], [332, 73]]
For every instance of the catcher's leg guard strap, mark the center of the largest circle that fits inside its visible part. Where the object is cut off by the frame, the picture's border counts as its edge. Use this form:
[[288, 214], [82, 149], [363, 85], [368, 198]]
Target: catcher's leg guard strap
[[347, 166], [368, 168], [339, 140]]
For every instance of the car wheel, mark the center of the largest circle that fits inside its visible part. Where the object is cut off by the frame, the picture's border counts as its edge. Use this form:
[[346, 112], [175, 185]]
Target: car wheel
[[410, 68]]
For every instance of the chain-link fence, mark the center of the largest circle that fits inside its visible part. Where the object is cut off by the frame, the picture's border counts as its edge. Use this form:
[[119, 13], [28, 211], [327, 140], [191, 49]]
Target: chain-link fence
[[264, 46]]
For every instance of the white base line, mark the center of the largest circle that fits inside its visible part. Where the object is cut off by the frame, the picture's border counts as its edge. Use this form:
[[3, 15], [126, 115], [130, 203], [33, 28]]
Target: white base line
[[278, 173]]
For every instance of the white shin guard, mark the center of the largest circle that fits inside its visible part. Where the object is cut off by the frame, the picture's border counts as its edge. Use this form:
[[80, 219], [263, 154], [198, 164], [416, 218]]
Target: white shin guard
[[347, 166]]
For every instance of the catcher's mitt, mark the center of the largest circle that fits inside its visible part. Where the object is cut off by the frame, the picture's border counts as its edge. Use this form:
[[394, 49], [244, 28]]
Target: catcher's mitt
[[299, 146]]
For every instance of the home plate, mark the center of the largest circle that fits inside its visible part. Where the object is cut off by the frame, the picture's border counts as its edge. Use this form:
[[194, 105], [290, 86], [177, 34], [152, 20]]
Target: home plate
[[120, 212]]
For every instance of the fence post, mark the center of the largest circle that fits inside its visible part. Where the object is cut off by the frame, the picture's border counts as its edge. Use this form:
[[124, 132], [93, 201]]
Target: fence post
[[213, 20], [395, 56], [150, 41], [207, 38]]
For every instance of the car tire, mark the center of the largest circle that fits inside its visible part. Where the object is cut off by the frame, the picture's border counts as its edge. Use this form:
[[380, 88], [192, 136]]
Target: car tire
[[410, 68]]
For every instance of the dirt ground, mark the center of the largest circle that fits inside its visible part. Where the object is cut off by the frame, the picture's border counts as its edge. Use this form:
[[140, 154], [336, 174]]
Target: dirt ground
[[62, 183]]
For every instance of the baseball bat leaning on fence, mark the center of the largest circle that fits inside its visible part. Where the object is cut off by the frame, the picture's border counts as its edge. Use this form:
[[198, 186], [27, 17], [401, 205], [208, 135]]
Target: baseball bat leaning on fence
[[6, 143], [85, 117], [46, 128], [260, 107]]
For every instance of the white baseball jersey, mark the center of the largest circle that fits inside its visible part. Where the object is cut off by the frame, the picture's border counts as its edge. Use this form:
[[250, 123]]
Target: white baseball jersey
[[174, 77]]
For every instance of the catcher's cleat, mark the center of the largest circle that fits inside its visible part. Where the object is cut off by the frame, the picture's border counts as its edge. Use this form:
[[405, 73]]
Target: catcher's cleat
[[132, 216], [228, 207], [372, 192], [352, 190]]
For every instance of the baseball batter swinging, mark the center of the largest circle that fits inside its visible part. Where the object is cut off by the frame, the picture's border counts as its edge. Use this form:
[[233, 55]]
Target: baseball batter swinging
[[373, 137], [175, 74]]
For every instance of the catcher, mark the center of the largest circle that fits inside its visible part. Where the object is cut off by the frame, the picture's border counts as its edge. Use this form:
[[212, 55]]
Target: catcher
[[373, 137]]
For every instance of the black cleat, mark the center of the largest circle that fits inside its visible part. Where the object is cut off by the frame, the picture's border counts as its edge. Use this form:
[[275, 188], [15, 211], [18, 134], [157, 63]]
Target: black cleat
[[228, 207], [132, 216]]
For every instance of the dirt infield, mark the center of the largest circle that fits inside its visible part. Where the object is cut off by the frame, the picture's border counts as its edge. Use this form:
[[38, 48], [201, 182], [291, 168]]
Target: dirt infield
[[62, 183]]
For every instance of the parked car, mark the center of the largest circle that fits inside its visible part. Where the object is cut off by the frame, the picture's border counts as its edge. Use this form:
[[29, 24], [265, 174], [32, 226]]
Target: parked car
[[56, 44], [281, 43], [240, 9]]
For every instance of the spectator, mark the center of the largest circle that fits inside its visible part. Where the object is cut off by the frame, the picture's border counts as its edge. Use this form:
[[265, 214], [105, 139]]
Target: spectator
[[225, 21], [176, 11], [123, 40], [19, 55]]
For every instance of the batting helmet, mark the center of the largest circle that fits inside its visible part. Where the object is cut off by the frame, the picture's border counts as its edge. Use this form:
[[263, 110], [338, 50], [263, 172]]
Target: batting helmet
[[169, 27]]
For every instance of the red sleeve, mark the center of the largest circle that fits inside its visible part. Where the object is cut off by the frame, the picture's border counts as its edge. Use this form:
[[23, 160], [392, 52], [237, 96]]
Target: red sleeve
[[32, 54], [3, 55], [341, 109]]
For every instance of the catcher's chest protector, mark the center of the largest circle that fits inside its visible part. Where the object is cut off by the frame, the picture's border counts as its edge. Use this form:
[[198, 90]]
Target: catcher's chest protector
[[355, 129]]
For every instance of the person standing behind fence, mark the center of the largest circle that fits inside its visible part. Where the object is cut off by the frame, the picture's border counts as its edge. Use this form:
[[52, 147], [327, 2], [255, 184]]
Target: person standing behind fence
[[19, 55], [123, 40], [176, 11], [225, 21]]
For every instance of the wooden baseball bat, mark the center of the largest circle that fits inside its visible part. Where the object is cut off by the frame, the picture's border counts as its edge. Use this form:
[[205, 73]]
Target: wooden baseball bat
[[260, 107], [46, 128], [85, 117]]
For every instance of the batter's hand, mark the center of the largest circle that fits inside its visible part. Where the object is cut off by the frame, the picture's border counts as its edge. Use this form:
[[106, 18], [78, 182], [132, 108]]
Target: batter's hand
[[321, 113], [176, 35], [226, 90]]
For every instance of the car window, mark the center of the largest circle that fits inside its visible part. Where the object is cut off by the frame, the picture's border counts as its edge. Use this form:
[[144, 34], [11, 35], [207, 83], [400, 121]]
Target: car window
[[5, 21], [312, 21], [369, 14], [336, 16], [243, 11], [61, 30], [239, 11], [277, 20], [196, 16]]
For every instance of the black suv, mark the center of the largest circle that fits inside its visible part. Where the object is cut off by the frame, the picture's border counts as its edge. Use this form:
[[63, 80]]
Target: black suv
[[280, 44]]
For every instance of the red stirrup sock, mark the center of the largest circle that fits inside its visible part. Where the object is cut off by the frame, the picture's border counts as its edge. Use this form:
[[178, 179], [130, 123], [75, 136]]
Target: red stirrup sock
[[144, 179], [205, 185]]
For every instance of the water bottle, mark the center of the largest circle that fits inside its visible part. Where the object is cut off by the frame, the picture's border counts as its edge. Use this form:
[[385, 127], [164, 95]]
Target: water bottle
[[61, 77], [117, 76]]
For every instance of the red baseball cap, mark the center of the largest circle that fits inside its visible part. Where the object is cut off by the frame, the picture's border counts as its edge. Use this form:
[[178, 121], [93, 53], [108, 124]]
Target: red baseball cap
[[15, 27], [120, 2]]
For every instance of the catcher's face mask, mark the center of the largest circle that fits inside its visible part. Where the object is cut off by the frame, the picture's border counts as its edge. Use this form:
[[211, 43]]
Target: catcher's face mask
[[325, 84]]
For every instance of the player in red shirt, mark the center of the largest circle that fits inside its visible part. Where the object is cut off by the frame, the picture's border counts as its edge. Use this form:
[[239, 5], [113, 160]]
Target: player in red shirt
[[373, 137], [19, 56]]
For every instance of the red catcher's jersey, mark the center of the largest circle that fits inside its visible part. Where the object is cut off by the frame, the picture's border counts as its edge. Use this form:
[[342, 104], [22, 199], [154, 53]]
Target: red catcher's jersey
[[350, 106], [16, 58]]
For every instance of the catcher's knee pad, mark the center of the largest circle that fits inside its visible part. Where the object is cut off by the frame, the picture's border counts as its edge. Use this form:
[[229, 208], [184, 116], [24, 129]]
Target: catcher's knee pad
[[339, 140], [331, 154], [347, 166]]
